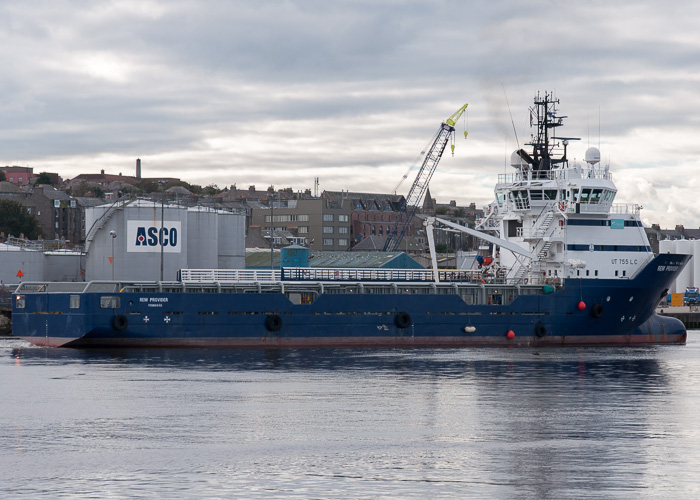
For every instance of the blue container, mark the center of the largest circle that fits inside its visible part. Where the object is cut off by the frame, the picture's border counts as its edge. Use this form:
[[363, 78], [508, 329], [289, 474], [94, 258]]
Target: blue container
[[294, 256]]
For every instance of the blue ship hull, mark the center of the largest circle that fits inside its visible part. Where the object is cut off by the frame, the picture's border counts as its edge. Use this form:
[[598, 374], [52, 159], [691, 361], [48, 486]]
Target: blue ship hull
[[617, 311]]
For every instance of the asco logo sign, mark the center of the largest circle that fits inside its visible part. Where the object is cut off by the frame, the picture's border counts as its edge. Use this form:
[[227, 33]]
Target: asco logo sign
[[149, 236]]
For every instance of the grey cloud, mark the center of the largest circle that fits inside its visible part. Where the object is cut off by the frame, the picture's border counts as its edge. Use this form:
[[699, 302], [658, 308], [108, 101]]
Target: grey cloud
[[267, 90]]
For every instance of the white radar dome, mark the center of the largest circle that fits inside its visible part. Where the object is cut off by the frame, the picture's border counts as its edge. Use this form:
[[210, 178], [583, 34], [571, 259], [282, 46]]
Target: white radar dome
[[516, 161], [592, 156]]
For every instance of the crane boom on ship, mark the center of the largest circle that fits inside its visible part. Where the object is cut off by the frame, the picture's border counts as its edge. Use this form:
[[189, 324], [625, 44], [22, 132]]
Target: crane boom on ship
[[420, 184]]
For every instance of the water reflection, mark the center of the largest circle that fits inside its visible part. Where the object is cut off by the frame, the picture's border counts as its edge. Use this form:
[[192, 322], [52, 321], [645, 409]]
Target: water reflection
[[487, 363], [338, 423]]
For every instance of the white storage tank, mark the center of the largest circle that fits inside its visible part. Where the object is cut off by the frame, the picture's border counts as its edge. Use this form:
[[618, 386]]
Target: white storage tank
[[93, 218], [231, 240], [202, 238], [668, 246], [15, 259], [63, 265], [694, 263], [685, 278], [132, 241]]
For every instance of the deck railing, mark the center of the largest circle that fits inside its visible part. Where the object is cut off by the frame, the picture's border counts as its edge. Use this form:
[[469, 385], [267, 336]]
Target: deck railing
[[228, 275]]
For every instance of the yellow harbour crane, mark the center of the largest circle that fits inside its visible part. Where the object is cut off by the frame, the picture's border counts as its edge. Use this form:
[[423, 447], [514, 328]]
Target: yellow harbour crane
[[420, 185]]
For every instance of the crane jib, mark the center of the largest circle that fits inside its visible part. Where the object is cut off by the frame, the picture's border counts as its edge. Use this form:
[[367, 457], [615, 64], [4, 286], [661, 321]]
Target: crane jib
[[420, 185]]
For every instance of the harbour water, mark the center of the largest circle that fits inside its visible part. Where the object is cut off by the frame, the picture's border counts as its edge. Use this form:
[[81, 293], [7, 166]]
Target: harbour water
[[551, 423]]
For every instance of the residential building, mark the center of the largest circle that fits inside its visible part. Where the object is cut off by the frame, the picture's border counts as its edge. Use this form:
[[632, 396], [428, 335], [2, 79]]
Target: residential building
[[372, 214], [18, 175], [58, 214], [373, 217], [320, 224]]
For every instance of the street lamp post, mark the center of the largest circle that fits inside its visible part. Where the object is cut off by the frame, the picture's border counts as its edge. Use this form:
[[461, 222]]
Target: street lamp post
[[113, 234], [160, 233], [272, 232]]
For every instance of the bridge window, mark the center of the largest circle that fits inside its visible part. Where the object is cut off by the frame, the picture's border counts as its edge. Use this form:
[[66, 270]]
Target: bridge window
[[520, 199]]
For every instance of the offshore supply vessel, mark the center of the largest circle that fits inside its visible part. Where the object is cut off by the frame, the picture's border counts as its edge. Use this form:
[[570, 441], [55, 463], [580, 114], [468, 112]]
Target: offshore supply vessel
[[565, 266]]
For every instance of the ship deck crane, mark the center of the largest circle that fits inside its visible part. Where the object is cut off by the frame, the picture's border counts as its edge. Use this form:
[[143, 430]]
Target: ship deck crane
[[420, 184]]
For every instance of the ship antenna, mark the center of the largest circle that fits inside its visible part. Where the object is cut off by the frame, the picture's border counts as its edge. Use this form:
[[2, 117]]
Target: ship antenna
[[598, 127], [511, 116]]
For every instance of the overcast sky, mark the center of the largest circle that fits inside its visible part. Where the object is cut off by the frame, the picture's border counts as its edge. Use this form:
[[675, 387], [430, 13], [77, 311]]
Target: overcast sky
[[280, 92]]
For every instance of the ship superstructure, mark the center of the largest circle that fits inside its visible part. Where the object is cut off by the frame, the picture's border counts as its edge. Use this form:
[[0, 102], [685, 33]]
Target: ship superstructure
[[562, 212]]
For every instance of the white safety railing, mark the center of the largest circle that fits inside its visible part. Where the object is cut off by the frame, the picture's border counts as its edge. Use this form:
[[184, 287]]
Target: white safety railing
[[624, 209], [228, 275], [355, 274], [323, 274]]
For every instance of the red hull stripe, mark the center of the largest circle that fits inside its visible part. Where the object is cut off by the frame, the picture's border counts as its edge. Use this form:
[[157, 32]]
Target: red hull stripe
[[377, 342]]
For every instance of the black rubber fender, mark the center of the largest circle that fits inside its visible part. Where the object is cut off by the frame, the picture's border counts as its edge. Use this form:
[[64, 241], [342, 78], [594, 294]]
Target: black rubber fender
[[402, 319], [540, 330], [120, 322], [273, 322], [597, 310]]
